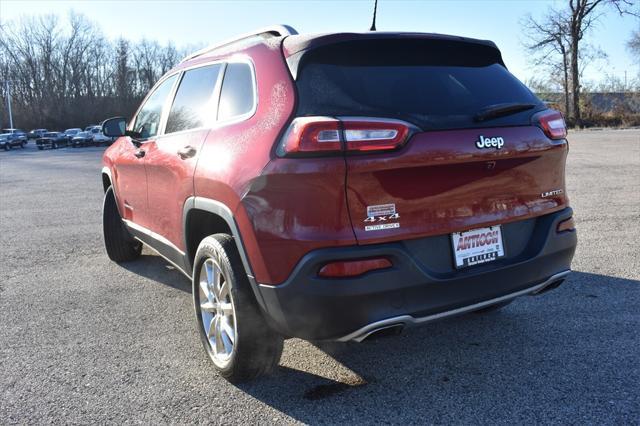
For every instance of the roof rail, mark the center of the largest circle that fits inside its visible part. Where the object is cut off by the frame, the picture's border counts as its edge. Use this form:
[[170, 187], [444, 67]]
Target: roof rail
[[278, 30]]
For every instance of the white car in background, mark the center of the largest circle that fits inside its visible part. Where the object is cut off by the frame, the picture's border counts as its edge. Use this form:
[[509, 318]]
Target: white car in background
[[98, 137]]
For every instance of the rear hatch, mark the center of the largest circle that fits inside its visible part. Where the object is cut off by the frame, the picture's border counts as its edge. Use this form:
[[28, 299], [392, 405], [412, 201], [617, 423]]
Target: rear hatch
[[475, 153]]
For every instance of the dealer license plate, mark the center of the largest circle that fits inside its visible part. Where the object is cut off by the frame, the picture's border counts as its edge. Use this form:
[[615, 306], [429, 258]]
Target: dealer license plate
[[477, 246]]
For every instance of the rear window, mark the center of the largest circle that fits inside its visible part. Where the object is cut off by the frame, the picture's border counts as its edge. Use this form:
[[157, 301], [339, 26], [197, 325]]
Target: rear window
[[434, 84]]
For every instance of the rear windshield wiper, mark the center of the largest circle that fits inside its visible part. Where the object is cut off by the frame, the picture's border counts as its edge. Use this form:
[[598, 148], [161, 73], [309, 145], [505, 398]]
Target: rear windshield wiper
[[500, 110]]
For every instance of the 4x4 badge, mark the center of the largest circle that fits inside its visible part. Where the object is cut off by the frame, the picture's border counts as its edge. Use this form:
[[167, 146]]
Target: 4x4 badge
[[382, 218]]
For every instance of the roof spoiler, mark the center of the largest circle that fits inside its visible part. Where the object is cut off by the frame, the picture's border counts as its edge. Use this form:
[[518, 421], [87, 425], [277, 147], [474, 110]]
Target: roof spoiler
[[274, 30]]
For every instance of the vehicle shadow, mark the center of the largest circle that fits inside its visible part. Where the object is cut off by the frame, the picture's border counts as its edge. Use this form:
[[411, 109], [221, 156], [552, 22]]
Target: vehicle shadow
[[538, 352], [549, 358], [155, 268]]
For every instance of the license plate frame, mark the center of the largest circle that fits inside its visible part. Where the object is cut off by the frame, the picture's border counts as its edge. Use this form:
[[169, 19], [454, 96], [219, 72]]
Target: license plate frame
[[487, 247]]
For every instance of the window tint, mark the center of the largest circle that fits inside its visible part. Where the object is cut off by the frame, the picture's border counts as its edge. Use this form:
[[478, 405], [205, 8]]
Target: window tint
[[436, 86], [192, 106], [237, 95], [148, 119]]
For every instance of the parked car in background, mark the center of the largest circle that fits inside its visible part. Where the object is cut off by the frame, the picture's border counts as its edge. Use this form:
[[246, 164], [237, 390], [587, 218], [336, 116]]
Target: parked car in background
[[52, 140], [10, 140], [20, 134], [89, 127], [82, 139], [36, 133], [70, 133], [99, 138]]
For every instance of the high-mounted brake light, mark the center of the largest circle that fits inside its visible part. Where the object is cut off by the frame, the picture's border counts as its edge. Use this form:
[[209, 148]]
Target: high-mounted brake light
[[317, 135], [552, 124]]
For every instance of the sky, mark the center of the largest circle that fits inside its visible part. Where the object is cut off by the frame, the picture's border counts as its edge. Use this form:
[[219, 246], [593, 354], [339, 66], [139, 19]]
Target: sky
[[206, 22]]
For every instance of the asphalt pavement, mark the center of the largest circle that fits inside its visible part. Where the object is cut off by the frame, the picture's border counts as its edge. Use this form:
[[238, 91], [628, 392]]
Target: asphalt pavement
[[84, 340]]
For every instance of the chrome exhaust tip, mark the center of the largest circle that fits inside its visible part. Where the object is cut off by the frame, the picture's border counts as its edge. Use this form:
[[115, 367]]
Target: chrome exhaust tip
[[381, 332]]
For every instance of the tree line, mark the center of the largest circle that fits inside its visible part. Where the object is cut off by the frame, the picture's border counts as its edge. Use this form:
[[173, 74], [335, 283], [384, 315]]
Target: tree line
[[66, 73]]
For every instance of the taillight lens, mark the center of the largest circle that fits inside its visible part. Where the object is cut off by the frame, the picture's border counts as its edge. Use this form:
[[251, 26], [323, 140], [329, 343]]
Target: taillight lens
[[318, 135], [353, 268], [312, 134], [552, 124], [368, 135]]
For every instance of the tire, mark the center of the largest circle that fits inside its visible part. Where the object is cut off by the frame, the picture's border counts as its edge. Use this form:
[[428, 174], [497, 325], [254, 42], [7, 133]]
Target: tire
[[39, 147], [7, 147], [54, 146], [493, 308], [255, 348], [120, 245], [22, 145]]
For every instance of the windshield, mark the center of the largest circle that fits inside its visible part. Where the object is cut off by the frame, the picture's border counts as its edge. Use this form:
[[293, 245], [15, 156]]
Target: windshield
[[428, 85]]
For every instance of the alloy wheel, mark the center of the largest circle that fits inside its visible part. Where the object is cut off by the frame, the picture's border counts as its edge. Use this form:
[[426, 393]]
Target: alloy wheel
[[217, 312]]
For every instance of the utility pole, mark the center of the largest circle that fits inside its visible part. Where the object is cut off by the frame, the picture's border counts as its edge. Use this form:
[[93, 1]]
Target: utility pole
[[8, 91]]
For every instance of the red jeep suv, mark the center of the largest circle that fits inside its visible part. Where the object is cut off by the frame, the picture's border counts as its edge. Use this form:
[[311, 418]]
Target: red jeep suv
[[334, 186]]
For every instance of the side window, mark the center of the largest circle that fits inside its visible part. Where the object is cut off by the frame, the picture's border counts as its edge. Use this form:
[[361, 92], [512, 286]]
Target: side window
[[148, 119], [237, 96], [193, 106]]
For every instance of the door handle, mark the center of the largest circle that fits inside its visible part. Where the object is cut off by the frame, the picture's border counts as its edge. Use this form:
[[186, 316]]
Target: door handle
[[186, 152], [139, 153]]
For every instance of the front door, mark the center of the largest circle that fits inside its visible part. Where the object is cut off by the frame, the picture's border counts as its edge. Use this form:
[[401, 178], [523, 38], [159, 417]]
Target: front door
[[130, 172]]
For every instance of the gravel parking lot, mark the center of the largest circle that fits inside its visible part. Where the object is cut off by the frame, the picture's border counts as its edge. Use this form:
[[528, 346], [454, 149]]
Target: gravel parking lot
[[83, 340]]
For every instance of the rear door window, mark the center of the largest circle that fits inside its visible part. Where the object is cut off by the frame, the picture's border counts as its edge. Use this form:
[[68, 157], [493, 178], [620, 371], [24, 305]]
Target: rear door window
[[435, 85], [147, 121], [237, 97], [194, 104]]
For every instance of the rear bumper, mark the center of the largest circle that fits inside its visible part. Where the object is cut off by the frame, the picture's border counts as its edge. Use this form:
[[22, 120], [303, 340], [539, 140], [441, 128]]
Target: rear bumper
[[415, 289]]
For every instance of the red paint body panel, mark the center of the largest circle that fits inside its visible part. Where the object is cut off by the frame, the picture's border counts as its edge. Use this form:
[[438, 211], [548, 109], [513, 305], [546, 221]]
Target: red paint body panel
[[298, 205], [170, 182], [129, 180], [440, 182], [234, 155]]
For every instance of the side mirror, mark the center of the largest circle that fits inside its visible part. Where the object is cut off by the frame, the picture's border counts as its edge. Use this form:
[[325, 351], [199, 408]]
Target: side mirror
[[114, 127]]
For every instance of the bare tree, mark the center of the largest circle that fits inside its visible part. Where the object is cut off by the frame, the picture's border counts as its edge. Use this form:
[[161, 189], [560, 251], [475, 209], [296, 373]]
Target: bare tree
[[634, 45], [549, 46], [583, 15]]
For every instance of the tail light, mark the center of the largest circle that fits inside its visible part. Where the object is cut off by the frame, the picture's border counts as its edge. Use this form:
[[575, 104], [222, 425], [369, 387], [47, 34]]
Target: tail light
[[353, 268], [318, 135], [312, 134], [552, 124]]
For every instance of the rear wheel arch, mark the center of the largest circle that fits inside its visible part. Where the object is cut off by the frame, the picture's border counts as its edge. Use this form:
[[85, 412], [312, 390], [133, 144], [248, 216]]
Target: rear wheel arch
[[203, 217], [106, 181]]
